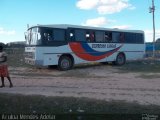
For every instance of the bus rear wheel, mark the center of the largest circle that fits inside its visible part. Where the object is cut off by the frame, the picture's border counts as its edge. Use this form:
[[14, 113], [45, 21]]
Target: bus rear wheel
[[65, 63], [121, 59]]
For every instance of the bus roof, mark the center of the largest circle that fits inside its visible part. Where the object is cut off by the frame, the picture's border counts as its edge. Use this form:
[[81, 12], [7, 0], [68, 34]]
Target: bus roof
[[66, 26]]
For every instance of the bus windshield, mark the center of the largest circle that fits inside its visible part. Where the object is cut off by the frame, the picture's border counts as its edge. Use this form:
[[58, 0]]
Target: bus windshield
[[33, 36]]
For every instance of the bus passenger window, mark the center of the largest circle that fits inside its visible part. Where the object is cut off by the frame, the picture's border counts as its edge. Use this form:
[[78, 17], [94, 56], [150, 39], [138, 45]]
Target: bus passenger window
[[88, 37], [80, 35], [108, 37], [121, 37], [45, 36], [71, 35], [92, 36], [99, 36], [49, 37], [59, 35], [115, 37]]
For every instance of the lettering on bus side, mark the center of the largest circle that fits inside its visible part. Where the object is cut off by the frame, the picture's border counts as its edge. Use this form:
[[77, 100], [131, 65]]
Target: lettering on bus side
[[111, 45], [103, 45]]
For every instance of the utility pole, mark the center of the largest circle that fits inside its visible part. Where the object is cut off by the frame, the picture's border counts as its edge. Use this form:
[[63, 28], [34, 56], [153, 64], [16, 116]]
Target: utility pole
[[152, 10]]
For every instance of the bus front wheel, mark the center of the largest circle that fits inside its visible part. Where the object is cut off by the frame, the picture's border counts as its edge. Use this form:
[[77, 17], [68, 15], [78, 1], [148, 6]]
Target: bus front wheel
[[121, 59], [65, 63]]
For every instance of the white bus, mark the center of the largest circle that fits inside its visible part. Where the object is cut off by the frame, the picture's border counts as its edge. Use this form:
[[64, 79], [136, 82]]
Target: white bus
[[67, 45]]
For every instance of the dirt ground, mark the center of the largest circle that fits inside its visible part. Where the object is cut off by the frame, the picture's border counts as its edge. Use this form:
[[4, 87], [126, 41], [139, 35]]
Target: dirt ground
[[102, 82]]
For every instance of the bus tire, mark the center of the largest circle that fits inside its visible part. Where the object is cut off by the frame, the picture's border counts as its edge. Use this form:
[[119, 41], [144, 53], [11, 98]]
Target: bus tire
[[120, 59], [65, 63]]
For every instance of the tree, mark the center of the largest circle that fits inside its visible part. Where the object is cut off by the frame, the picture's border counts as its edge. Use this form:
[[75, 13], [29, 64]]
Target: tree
[[2, 44], [157, 44], [158, 40]]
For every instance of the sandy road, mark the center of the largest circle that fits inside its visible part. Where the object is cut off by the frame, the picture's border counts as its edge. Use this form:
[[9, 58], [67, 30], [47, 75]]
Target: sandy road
[[100, 82]]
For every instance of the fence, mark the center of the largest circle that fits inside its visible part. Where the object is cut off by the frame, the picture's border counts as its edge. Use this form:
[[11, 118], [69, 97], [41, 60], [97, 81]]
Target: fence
[[150, 54]]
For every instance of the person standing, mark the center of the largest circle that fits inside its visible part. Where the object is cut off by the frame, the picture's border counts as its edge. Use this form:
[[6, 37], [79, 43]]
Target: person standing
[[4, 67]]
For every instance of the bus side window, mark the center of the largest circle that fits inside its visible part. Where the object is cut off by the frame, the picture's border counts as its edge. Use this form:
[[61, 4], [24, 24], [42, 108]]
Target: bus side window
[[72, 35], [59, 35], [80, 35], [115, 37], [99, 36], [45, 36], [121, 37], [108, 37], [88, 37], [92, 36], [48, 35], [139, 38]]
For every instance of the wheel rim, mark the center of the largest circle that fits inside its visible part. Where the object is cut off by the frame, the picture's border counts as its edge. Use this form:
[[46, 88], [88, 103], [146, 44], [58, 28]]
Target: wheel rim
[[120, 59], [65, 64]]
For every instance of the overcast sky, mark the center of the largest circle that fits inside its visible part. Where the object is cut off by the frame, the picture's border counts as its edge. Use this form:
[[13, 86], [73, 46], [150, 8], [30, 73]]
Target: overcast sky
[[124, 14]]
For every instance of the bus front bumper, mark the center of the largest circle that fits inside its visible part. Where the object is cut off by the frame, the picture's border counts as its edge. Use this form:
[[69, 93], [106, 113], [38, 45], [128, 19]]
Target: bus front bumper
[[33, 62], [30, 61]]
